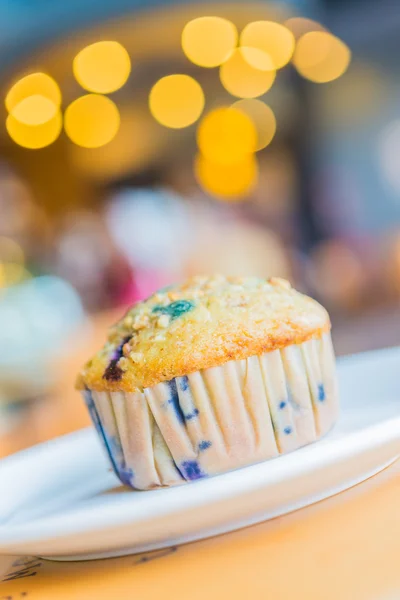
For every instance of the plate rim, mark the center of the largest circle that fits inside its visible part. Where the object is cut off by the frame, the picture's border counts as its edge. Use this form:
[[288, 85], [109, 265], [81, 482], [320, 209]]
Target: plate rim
[[235, 484]]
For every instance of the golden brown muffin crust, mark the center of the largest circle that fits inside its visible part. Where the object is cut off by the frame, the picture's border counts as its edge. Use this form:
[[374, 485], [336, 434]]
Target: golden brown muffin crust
[[202, 323]]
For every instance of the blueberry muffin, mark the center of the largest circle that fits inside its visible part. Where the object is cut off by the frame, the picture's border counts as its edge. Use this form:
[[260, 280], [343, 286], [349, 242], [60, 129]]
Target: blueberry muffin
[[211, 375]]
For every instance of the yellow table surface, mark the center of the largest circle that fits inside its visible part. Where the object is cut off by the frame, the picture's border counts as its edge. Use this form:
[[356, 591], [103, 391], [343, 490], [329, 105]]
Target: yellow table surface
[[346, 547]]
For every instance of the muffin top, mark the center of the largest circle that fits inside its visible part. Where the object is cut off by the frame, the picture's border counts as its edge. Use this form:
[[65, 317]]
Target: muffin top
[[204, 322]]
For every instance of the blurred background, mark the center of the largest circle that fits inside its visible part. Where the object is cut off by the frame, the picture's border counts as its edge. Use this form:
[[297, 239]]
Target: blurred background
[[142, 141]]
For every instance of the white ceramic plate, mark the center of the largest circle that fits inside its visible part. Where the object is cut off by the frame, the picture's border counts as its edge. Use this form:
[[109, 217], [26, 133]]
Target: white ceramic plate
[[60, 500]]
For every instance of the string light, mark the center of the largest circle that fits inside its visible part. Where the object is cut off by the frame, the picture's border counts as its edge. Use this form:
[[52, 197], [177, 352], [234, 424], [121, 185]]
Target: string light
[[226, 135], [92, 121], [103, 67], [321, 57], [240, 78], [262, 117], [34, 110], [176, 101], [227, 181], [274, 39], [36, 136], [209, 41], [34, 84], [300, 25]]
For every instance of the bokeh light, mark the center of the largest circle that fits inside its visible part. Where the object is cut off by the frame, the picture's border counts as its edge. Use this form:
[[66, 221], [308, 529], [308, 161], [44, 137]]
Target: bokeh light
[[321, 57], [12, 273], [257, 58], [138, 143], [10, 251], [356, 99], [209, 41], [226, 135], [336, 273], [92, 121], [227, 181], [276, 40], [34, 84], [34, 110], [263, 119], [103, 67], [301, 25], [389, 154], [176, 101], [34, 136], [240, 78]]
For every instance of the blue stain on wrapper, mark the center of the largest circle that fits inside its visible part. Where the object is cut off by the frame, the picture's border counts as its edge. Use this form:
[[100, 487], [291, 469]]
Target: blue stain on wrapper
[[291, 400], [174, 401], [126, 476], [203, 445], [321, 392], [190, 469], [287, 430], [111, 444], [184, 383], [282, 405], [192, 415], [94, 415]]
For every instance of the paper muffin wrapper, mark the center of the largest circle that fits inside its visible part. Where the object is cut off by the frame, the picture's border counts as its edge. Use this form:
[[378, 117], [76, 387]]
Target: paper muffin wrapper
[[219, 419]]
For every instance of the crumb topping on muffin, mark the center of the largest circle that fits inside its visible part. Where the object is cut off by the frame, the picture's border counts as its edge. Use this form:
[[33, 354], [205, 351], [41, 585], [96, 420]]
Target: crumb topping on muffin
[[202, 323]]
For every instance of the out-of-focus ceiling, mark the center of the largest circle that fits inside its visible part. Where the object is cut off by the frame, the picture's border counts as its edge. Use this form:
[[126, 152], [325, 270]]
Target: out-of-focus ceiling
[[25, 25]]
